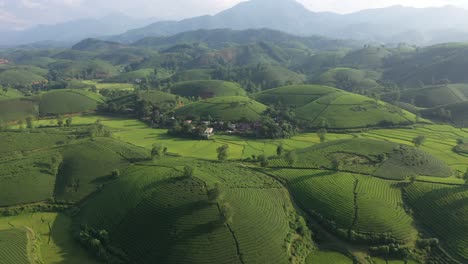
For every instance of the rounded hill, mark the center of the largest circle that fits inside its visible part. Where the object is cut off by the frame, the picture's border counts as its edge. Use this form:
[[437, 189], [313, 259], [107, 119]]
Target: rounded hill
[[436, 95], [228, 108], [207, 89], [325, 106], [68, 101], [379, 158]]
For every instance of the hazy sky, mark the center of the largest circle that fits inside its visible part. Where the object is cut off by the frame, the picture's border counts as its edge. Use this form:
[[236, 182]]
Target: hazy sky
[[23, 13]]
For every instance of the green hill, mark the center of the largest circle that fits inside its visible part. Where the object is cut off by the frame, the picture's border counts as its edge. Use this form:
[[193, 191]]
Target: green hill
[[83, 69], [374, 157], [435, 96], [454, 113], [9, 94], [355, 207], [350, 79], [275, 76], [17, 109], [229, 108], [155, 200], [192, 75], [444, 210], [431, 64], [68, 101], [207, 89], [130, 77], [19, 77], [368, 57], [325, 106]]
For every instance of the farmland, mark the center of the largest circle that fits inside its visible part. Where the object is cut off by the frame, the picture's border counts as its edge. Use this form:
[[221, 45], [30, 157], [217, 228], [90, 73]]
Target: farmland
[[233, 146]]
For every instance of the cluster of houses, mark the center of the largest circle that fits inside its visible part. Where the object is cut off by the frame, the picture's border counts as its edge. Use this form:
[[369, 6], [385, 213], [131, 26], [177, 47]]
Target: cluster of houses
[[226, 127], [4, 61]]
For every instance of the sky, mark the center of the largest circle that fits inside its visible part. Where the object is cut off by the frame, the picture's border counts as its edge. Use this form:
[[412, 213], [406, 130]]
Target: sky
[[19, 14]]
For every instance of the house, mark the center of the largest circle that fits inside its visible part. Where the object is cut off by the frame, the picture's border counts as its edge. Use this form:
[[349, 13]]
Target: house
[[208, 132], [188, 121], [4, 61]]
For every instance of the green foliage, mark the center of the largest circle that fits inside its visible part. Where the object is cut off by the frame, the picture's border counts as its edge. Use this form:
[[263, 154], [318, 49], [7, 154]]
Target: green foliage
[[280, 150], [291, 158], [223, 152], [419, 140], [222, 108], [158, 151], [207, 89], [189, 171]]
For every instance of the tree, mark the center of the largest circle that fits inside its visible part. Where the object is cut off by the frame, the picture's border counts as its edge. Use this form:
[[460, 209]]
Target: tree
[[157, 151], [115, 174], [419, 140], [188, 172], [227, 213], [413, 178], [465, 177], [280, 150], [291, 158], [69, 122], [29, 122], [263, 161], [336, 164], [223, 152], [60, 121], [216, 193], [322, 134]]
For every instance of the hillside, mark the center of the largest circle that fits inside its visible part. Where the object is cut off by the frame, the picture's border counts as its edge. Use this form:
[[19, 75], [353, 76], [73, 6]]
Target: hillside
[[453, 113], [207, 89], [332, 108], [435, 96], [374, 157], [68, 101], [19, 77], [230, 108], [191, 223]]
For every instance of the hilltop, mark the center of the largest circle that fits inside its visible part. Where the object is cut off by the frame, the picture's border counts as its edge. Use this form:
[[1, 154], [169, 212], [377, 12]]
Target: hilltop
[[323, 106]]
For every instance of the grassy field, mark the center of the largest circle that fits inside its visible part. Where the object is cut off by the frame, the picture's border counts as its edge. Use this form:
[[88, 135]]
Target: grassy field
[[52, 235], [18, 76], [228, 108], [207, 89], [445, 216], [321, 257]]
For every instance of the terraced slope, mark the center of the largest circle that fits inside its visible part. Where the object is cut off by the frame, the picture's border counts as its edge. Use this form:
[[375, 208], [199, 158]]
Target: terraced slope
[[88, 165], [374, 157], [443, 210], [436, 95], [207, 89], [15, 246], [229, 108], [154, 200], [325, 106], [17, 109], [68, 101], [355, 207]]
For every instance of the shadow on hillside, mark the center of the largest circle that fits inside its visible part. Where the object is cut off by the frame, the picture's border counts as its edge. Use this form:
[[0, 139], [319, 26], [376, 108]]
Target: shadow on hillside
[[67, 249]]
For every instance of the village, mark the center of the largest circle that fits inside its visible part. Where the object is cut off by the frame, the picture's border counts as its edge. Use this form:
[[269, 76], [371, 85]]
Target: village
[[208, 128]]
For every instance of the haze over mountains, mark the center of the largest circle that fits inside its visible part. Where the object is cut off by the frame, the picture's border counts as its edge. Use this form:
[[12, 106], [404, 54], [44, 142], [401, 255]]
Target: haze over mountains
[[385, 25]]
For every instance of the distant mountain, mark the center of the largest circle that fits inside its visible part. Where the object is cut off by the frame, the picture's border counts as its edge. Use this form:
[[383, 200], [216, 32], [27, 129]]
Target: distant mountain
[[386, 25], [73, 31], [221, 38]]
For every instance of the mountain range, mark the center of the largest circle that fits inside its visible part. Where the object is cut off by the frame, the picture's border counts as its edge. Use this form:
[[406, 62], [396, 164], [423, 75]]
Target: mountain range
[[394, 24]]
